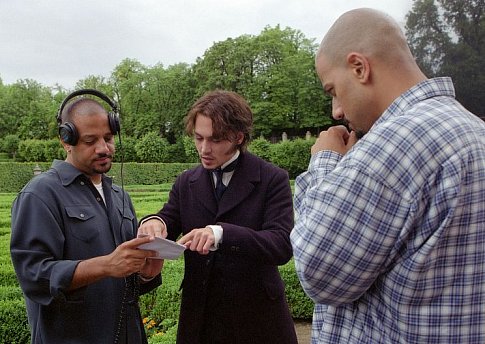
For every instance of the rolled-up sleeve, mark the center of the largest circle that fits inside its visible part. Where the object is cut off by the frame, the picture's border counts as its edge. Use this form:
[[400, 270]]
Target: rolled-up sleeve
[[36, 248]]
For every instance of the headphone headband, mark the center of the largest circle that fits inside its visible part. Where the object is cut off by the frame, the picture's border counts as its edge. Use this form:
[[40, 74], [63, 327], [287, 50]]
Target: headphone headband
[[68, 131], [87, 91]]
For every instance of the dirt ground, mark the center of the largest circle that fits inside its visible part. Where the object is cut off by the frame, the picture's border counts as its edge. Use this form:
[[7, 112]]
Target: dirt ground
[[303, 331]]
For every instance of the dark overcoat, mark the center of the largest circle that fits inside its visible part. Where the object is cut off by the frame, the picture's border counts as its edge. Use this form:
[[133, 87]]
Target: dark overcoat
[[240, 280]]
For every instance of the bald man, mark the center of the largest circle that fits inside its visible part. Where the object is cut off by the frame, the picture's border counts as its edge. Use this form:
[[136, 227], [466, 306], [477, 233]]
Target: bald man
[[389, 238]]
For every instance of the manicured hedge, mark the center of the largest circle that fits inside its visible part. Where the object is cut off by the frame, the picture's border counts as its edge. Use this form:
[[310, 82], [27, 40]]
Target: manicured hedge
[[14, 175], [13, 317], [162, 162], [148, 173], [14, 327]]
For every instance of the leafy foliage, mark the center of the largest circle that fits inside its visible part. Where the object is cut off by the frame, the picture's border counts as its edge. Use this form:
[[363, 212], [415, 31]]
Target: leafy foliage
[[152, 148], [274, 71], [293, 156], [261, 147], [448, 38], [10, 144]]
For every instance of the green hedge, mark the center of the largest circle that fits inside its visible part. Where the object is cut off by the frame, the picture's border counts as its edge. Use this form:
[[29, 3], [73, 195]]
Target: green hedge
[[291, 155], [14, 327], [148, 173], [14, 175]]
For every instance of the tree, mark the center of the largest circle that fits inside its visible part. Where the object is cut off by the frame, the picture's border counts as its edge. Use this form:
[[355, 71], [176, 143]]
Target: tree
[[286, 93], [27, 109], [448, 38], [128, 81], [10, 145], [169, 95], [274, 71]]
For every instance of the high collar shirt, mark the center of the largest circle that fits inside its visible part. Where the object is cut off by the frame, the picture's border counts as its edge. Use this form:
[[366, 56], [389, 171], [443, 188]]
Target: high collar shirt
[[389, 240]]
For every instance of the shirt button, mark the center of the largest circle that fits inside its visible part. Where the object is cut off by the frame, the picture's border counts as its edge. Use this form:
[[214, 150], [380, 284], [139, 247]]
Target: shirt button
[[98, 199]]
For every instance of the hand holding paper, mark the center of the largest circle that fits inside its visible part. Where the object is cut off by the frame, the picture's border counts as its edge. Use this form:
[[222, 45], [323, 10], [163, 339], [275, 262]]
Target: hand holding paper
[[166, 249]]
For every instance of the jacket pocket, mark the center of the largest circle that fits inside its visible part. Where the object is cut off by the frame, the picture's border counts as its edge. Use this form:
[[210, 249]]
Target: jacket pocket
[[81, 223], [128, 228]]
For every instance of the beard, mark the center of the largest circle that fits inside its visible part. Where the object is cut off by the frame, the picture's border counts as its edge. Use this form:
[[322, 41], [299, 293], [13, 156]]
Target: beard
[[358, 132], [105, 166]]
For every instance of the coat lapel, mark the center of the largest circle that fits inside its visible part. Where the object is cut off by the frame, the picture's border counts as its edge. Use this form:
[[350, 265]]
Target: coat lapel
[[244, 180], [203, 190], [242, 184]]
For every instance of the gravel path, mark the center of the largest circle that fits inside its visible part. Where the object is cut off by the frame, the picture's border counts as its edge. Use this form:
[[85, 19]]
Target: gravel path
[[303, 331]]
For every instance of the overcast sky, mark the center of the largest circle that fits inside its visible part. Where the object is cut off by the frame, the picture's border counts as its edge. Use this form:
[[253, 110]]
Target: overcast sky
[[59, 41]]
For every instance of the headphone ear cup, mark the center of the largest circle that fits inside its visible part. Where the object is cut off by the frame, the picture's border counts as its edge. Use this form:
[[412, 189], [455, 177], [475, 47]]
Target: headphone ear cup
[[68, 133], [114, 123]]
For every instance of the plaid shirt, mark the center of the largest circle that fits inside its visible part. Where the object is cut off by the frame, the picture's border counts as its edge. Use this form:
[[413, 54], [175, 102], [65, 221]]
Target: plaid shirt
[[389, 240]]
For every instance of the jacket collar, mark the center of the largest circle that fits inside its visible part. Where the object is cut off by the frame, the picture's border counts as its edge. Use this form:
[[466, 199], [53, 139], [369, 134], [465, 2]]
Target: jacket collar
[[245, 178], [68, 173]]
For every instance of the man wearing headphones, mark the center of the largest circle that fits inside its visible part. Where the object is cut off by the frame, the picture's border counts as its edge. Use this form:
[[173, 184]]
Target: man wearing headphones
[[74, 242]]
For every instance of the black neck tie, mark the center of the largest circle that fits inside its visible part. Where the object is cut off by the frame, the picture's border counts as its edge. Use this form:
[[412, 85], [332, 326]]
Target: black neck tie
[[218, 172]]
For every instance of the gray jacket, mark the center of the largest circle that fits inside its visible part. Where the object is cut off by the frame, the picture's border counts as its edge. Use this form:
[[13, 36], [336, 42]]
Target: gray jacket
[[59, 219]]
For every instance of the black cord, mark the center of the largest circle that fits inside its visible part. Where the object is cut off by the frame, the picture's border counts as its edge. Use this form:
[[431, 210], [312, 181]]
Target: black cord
[[125, 289]]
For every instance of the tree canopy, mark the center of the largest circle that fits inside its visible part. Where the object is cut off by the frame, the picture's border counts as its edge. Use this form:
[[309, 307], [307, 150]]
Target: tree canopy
[[274, 71], [448, 39]]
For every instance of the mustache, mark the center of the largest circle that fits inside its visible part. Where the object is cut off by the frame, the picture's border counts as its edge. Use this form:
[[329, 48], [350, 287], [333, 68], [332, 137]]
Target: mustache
[[104, 155]]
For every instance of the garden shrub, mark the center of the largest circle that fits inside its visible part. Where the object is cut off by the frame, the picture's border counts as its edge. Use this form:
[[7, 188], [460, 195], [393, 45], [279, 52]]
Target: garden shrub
[[301, 307], [168, 337], [126, 149], [147, 173], [31, 150], [14, 327], [53, 150], [191, 154], [152, 148], [13, 176], [10, 144], [163, 303], [176, 152], [261, 148], [293, 156]]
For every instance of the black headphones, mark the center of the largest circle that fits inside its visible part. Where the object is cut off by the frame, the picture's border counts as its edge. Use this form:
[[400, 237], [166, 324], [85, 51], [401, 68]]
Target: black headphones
[[68, 132]]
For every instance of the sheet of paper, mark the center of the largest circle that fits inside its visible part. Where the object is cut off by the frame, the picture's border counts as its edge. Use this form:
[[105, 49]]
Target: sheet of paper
[[166, 249]]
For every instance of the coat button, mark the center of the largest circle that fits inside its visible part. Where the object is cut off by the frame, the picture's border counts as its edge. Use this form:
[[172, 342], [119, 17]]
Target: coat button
[[82, 215]]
